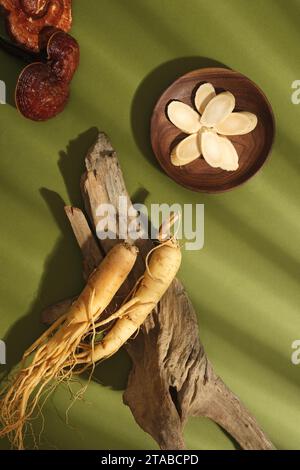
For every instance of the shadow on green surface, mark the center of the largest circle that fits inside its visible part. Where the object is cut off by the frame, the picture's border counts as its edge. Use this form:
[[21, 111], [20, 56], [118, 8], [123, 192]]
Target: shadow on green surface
[[249, 345], [113, 372], [10, 68], [55, 283], [10, 71], [71, 163], [58, 280], [62, 270], [235, 444], [259, 242], [291, 14], [149, 91]]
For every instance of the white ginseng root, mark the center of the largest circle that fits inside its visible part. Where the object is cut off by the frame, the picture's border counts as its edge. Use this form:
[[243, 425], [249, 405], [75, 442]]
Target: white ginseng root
[[218, 109], [237, 124], [210, 147], [207, 128], [218, 151], [184, 117], [53, 357], [230, 158], [162, 268], [203, 96], [186, 151]]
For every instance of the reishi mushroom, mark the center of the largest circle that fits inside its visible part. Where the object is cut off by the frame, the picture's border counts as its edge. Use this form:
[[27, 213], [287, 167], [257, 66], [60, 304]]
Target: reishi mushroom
[[42, 90], [26, 19]]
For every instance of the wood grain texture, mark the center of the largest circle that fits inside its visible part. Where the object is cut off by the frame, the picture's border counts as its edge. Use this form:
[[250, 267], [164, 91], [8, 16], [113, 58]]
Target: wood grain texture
[[253, 148], [171, 378], [85, 240]]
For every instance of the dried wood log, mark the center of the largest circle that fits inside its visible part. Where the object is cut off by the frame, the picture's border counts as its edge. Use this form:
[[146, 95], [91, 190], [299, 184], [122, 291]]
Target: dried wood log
[[171, 378], [90, 249]]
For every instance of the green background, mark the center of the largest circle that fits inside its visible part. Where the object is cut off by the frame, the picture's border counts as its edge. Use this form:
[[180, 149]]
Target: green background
[[244, 283]]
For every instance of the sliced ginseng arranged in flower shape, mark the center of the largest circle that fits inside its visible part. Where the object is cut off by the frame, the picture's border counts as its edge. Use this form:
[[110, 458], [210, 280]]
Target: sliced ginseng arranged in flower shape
[[208, 127]]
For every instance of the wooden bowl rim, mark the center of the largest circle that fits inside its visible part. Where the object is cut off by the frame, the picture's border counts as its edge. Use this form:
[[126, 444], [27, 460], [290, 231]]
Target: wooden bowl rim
[[259, 90]]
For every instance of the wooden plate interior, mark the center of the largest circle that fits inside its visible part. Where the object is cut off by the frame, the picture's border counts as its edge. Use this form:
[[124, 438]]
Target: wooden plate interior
[[253, 148]]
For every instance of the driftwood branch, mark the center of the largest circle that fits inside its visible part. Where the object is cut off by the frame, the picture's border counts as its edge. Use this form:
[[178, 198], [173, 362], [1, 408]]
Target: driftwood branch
[[171, 378], [91, 252]]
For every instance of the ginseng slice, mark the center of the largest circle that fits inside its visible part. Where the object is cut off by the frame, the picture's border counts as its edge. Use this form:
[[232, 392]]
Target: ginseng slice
[[237, 124], [184, 117], [230, 158], [204, 95], [211, 148], [186, 151], [218, 109], [175, 161]]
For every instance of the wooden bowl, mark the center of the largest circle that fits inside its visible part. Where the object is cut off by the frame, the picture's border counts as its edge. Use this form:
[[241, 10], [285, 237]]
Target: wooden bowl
[[253, 148]]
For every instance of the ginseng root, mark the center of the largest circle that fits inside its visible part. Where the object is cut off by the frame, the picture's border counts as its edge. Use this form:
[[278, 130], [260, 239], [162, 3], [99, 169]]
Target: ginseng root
[[53, 357], [162, 268]]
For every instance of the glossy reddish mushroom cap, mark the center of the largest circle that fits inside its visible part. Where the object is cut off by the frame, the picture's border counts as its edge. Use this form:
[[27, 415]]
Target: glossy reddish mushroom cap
[[43, 88], [34, 8], [39, 95], [64, 54], [27, 18]]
